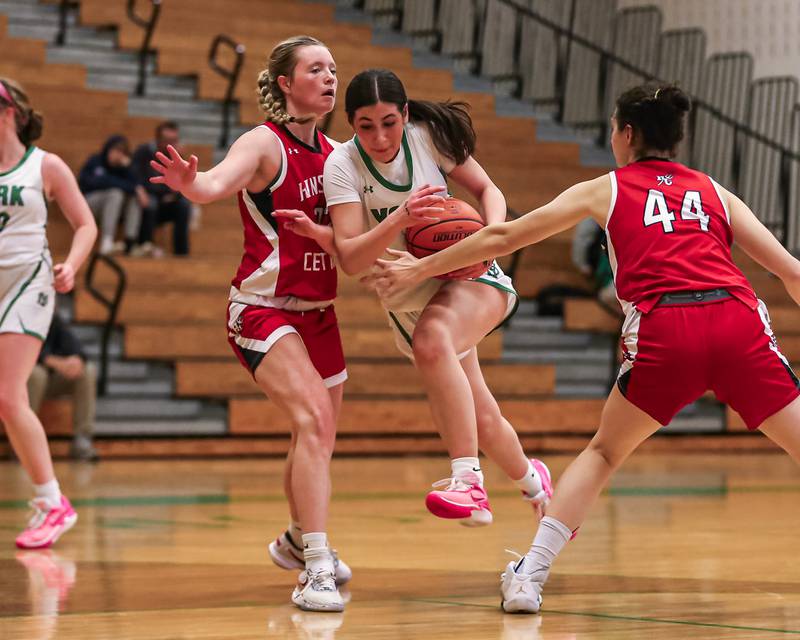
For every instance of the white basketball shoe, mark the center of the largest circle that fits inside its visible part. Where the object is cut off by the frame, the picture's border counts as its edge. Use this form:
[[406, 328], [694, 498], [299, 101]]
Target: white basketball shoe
[[317, 591], [287, 555], [521, 593]]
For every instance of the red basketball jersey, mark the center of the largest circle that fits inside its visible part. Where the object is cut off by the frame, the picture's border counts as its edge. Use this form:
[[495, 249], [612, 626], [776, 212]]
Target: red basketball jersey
[[278, 263], [668, 230]]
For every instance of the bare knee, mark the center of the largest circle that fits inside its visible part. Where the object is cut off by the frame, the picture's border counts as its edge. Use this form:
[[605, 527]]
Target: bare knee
[[612, 459], [315, 427], [431, 342], [12, 401]]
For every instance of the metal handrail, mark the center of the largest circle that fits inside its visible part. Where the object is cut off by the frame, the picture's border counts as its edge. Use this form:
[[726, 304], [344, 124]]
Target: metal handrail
[[232, 75], [63, 12], [111, 304], [149, 26]]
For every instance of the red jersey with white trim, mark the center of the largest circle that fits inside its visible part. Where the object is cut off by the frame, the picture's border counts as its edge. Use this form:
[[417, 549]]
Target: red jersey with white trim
[[668, 230], [280, 268]]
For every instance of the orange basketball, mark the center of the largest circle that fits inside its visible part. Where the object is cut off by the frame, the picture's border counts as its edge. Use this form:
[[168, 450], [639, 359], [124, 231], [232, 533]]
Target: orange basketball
[[459, 221]]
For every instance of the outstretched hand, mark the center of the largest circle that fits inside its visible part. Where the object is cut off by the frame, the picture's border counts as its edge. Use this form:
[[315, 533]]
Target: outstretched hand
[[392, 276], [176, 173]]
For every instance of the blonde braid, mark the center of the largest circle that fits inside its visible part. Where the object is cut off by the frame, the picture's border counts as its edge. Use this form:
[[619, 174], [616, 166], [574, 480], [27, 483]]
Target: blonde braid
[[274, 108]]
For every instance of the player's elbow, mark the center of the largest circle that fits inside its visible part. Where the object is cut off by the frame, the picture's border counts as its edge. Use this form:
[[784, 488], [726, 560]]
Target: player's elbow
[[500, 240]]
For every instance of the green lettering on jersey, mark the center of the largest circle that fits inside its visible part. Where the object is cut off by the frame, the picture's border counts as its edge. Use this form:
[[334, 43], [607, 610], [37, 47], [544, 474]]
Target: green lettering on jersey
[[4, 218], [3, 195], [16, 196], [380, 214]]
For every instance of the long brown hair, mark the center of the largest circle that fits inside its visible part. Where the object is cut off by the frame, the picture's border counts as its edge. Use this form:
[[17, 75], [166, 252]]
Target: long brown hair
[[29, 122]]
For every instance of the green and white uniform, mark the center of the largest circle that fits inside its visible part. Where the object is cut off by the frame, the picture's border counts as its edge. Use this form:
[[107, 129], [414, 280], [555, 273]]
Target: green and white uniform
[[352, 176], [27, 297]]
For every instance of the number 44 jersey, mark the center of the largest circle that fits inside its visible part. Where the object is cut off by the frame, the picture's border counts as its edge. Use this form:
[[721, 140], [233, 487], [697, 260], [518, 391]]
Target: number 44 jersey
[[23, 212], [668, 230]]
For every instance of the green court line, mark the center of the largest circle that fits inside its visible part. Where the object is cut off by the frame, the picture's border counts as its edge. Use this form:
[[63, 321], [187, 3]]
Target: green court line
[[223, 498], [611, 616], [132, 501]]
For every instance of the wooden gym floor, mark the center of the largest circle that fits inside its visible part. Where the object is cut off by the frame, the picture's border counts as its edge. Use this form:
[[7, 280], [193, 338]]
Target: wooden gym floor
[[681, 546]]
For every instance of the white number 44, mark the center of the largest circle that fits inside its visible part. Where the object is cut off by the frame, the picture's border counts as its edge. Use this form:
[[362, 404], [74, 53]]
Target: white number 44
[[656, 210]]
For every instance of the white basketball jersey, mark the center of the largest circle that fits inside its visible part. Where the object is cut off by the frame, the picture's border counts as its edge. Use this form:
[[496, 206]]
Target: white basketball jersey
[[352, 176], [23, 212]]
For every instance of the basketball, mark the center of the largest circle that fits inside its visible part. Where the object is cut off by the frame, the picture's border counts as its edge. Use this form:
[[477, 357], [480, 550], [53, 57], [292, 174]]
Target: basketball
[[458, 221]]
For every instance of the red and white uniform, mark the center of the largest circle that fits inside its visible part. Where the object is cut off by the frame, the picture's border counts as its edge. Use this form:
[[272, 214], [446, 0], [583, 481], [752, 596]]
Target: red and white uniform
[[669, 232], [286, 283]]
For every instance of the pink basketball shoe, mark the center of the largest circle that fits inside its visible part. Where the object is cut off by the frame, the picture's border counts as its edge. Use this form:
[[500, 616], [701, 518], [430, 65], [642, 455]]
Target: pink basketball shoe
[[461, 498], [47, 524], [540, 500]]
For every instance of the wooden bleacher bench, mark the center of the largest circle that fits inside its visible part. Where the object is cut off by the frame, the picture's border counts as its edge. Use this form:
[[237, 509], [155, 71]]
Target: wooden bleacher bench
[[225, 379]]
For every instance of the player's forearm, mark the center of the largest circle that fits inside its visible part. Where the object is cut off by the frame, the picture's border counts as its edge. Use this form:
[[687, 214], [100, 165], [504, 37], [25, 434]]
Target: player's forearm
[[205, 188], [486, 244], [493, 205], [361, 252], [82, 242], [323, 235]]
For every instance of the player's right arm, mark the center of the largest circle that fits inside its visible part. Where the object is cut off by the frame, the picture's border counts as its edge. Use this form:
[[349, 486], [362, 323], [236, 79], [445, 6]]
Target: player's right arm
[[591, 198], [251, 163], [759, 243], [356, 249]]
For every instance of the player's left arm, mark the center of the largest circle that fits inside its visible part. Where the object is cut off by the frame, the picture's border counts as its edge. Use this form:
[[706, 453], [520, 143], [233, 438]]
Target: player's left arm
[[60, 185], [759, 243], [474, 179]]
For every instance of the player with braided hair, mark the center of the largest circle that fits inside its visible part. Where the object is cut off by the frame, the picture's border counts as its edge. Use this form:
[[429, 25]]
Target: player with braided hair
[[281, 321]]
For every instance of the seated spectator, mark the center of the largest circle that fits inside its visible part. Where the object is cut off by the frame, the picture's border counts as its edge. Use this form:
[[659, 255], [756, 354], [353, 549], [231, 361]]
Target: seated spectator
[[63, 369], [591, 259], [109, 184], [164, 204]]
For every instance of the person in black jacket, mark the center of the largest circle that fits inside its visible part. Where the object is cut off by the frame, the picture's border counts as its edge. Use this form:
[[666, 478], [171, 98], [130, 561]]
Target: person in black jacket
[[62, 369], [164, 205], [110, 184]]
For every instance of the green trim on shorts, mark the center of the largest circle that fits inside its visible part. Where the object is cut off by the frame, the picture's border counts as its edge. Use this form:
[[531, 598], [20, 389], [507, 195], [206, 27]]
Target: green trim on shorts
[[20, 292], [28, 332], [400, 328], [501, 287]]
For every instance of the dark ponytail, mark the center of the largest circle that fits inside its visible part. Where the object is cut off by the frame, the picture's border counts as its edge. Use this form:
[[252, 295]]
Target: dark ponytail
[[29, 122], [449, 123], [656, 114], [31, 129]]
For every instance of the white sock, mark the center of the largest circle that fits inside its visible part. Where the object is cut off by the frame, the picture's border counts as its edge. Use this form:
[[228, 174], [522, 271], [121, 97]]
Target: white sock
[[316, 553], [548, 543], [295, 532], [464, 466], [50, 492], [530, 483]]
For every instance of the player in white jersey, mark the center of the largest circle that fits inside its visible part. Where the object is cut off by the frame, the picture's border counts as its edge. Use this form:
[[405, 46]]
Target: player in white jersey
[[28, 282], [389, 177]]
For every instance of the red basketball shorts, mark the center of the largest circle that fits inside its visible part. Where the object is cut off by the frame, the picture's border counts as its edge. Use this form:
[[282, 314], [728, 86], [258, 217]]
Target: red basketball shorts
[[674, 354], [252, 330]]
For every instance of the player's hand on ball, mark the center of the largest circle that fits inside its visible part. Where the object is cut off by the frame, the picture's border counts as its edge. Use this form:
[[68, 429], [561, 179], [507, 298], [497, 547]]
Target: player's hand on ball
[[296, 221], [396, 275], [64, 277], [176, 173], [423, 205]]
